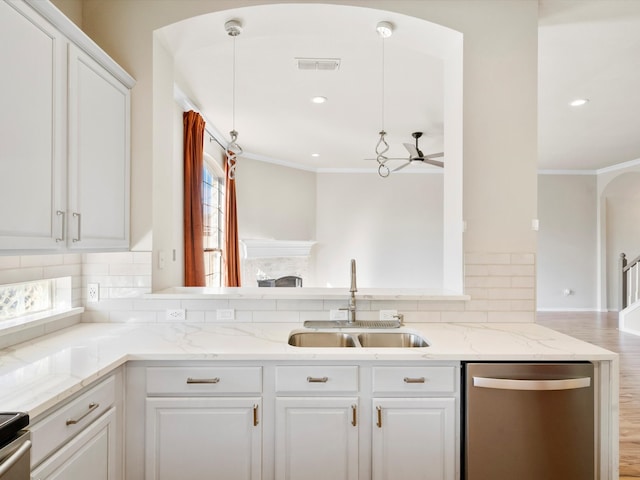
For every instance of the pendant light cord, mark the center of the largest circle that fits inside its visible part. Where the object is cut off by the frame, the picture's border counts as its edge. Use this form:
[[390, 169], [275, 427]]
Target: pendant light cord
[[233, 88], [382, 146]]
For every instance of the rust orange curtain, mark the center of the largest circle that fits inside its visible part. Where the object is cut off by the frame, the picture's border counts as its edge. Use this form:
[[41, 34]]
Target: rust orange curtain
[[193, 230], [232, 250]]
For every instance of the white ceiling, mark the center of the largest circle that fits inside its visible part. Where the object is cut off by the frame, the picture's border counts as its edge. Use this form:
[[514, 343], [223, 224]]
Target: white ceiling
[[587, 48]]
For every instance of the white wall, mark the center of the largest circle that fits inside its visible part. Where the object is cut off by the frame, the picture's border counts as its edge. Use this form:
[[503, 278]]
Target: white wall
[[567, 242], [275, 202], [621, 201], [393, 227]]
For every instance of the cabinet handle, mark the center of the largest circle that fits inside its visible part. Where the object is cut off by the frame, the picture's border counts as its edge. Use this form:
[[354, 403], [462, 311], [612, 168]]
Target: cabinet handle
[[379, 421], [203, 380], [60, 213], [92, 407], [317, 379], [78, 238], [354, 413], [414, 380], [255, 415]]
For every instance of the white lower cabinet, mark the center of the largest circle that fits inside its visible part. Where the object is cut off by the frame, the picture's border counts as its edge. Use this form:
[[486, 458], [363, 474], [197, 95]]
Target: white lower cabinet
[[89, 455], [294, 421], [83, 438], [203, 438], [414, 439], [203, 422], [317, 438]]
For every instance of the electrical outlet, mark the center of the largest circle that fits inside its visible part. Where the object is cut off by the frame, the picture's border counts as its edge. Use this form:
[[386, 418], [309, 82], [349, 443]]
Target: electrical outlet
[[225, 314], [176, 314], [338, 314], [93, 292], [388, 314]]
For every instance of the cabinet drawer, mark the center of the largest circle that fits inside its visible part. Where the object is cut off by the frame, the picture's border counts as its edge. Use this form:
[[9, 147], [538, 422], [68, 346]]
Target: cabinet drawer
[[203, 380], [414, 379], [314, 378], [69, 420]]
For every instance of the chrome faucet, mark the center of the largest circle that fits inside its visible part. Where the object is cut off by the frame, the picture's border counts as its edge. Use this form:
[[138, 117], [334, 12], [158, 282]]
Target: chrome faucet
[[352, 299]]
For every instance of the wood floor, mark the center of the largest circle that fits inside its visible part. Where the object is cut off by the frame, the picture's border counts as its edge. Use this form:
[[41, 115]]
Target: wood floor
[[602, 329]]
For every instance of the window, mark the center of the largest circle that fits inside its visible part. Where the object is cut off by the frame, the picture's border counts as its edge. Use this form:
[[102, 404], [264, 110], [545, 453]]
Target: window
[[213, 222], [20, 299]]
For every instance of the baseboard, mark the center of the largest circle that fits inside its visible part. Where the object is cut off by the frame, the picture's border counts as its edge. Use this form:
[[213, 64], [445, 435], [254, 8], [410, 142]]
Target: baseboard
[[563, 309]]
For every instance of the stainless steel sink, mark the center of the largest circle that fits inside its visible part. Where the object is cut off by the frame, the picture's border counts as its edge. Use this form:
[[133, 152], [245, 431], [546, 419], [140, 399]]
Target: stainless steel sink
[[322, 339], [364, 339], [391, 340]]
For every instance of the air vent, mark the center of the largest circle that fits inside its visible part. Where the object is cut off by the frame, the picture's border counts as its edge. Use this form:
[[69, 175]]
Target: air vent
[[326, 64]]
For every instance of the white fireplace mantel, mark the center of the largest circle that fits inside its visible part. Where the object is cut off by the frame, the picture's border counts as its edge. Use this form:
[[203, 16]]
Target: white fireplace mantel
[[269, 248]]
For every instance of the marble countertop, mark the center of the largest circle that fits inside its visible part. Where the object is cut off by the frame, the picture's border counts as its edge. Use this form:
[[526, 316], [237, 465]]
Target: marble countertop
[[36, 375]]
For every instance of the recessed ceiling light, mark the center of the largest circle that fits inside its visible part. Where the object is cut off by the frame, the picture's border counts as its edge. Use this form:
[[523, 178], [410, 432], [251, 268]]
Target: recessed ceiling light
[[579, 102], [319, 99], [315, 154]]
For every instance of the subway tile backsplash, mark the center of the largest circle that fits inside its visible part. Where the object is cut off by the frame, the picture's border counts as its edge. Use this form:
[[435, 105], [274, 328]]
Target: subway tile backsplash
[[501, 286]]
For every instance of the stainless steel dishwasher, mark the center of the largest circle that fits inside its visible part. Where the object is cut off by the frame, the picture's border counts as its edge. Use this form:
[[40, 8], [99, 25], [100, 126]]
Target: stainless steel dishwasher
[[15, 447], [528, 421]]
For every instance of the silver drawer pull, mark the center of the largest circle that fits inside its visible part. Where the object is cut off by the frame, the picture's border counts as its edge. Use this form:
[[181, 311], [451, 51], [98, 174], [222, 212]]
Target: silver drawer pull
[[60, 213], [92, 407], [203, 380], [317, 379], [79, 237], [414, 380]]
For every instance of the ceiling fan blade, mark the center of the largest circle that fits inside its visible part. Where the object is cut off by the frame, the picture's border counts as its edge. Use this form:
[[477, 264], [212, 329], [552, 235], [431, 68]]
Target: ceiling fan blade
[[401, 166], [435, 155], [436, 163], [413, 151]]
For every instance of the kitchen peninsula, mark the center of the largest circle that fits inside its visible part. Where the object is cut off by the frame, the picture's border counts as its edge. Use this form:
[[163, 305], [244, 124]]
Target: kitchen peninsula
[[50, 372]]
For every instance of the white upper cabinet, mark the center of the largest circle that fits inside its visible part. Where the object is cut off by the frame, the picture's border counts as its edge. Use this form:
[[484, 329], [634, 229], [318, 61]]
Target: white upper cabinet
[[32, 150], [65, 153], [98, 192]]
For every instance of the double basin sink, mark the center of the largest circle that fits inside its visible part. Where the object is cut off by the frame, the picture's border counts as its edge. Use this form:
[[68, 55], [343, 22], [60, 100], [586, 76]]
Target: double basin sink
[[363, 339]]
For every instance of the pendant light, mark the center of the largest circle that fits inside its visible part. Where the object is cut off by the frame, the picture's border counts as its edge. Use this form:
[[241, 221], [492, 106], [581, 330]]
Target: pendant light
[[233, 29], [385, 30]]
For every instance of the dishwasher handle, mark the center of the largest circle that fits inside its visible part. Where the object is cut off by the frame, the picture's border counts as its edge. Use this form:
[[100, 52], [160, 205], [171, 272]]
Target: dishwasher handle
[[15, 457], [536, 385]]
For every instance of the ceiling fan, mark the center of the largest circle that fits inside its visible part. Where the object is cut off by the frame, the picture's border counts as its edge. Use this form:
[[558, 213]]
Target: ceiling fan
[[416, 155]]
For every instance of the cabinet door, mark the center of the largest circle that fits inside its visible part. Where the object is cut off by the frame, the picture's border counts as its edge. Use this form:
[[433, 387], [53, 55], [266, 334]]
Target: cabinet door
[[91, 454], [317, 438], [414, 439], [32, 149], [201, 438], [99, 112]]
